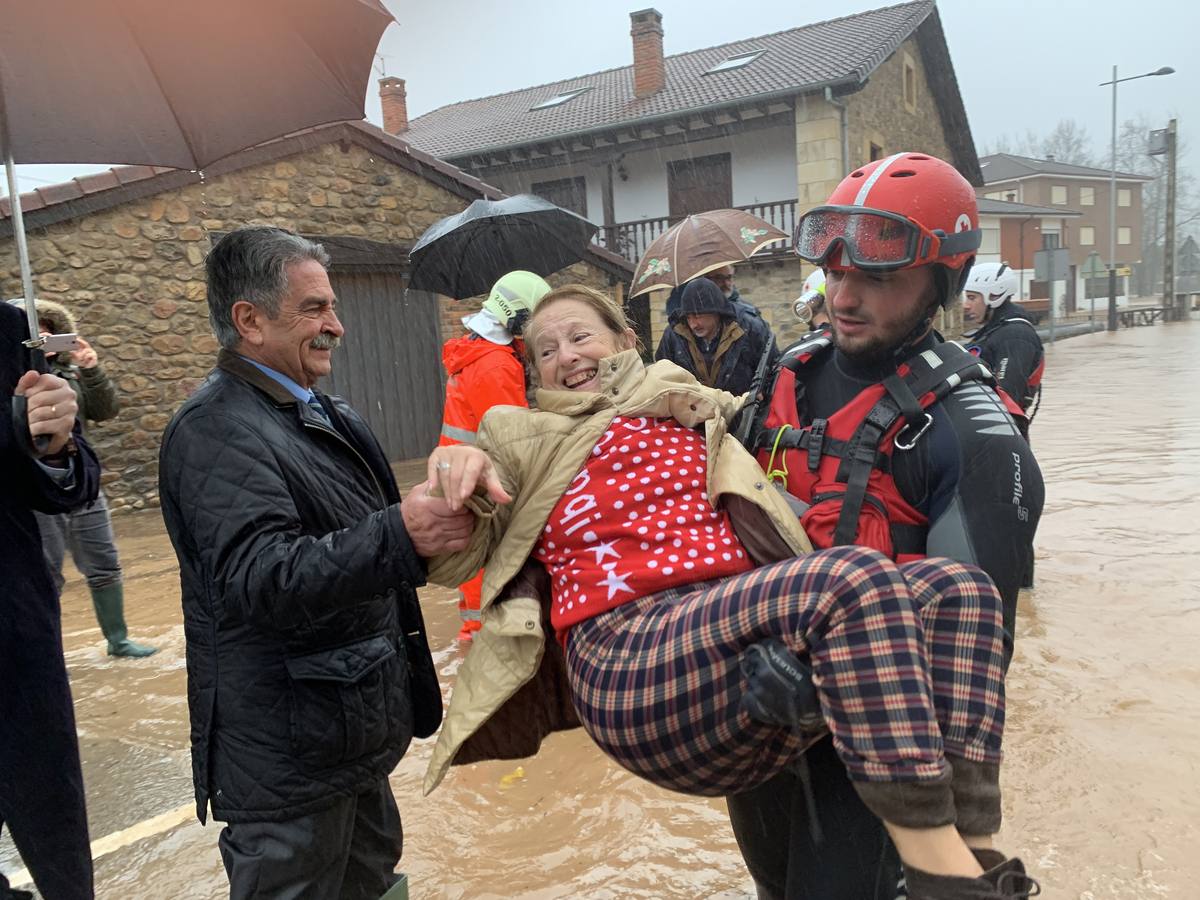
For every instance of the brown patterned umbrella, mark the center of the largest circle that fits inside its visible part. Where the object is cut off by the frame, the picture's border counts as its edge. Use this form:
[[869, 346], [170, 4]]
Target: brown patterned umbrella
[[700, 243]]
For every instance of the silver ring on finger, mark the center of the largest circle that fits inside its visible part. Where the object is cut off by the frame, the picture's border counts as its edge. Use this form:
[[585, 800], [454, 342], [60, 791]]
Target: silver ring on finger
[[442, 466]]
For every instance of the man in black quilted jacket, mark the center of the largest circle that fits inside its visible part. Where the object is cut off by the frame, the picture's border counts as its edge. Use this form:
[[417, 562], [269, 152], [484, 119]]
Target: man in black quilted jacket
[[308, 668]]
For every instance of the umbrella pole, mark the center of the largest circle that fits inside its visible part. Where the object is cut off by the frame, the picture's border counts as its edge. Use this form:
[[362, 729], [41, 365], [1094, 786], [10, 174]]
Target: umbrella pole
[[18, 224], [34, 446]]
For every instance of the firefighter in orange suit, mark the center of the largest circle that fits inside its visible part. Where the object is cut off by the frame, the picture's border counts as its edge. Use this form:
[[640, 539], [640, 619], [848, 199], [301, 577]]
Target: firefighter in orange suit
[[485, 368]]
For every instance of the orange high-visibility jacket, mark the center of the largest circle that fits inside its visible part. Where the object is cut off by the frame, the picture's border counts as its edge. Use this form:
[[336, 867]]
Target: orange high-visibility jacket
[[481, 375]]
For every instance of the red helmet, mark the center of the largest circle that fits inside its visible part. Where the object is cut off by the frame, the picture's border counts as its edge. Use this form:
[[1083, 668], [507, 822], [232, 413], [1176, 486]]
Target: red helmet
[[907, 210]]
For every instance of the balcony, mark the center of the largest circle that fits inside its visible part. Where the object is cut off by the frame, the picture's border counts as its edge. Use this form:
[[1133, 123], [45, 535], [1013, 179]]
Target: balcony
[[630, 239]]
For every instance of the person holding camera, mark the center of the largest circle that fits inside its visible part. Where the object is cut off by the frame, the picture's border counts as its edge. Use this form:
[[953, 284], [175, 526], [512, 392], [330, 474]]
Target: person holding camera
[[87, 530]]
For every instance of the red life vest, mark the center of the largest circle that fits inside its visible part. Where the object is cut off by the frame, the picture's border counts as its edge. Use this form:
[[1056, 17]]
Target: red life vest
[[840, 468]]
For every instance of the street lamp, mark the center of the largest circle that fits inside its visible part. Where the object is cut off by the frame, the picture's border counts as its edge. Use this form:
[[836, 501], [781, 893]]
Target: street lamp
[[1112, 194]]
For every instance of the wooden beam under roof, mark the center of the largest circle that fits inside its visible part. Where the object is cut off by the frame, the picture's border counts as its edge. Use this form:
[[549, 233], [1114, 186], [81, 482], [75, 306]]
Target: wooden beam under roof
[[606, 143]]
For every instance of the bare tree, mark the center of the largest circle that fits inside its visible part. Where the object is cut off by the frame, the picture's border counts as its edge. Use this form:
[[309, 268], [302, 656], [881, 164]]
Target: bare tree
[[1068, 142], [1133, 157]]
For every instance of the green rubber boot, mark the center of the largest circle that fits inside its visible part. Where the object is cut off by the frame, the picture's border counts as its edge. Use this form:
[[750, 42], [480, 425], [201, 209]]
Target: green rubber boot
[[110, 613]]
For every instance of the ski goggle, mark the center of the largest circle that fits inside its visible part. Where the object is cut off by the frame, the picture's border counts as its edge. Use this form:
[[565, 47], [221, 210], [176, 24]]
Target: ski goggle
[[874, 239]]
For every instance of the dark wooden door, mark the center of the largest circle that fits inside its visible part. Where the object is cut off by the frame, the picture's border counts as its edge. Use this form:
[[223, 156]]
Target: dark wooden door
[[698, 185], [389, 366], [569, 193]]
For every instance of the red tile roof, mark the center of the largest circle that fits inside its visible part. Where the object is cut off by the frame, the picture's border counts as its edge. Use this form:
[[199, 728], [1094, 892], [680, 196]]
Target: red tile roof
[[845, 50], [92, 193], [80, 187]]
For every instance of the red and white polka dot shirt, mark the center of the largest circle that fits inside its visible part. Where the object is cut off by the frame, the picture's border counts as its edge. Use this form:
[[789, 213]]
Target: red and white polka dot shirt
[[635, 520]]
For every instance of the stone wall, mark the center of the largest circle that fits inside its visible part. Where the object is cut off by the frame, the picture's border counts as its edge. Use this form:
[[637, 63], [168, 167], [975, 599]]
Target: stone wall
[[133, 276], [818, 150], [879, 115]]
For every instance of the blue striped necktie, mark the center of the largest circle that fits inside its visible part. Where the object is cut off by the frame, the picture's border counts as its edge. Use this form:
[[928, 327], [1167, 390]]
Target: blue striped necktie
[[315, 405]]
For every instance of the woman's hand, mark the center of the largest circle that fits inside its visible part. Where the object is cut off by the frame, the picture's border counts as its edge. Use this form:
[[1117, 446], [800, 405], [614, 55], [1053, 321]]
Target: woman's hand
[[457, 469]]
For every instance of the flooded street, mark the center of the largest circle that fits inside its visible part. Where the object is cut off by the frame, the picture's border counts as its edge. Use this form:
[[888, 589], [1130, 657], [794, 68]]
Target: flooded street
[[1103, 738]]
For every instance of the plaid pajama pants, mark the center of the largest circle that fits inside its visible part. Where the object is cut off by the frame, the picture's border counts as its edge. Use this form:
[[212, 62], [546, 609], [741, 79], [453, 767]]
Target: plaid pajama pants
[[908, 662]]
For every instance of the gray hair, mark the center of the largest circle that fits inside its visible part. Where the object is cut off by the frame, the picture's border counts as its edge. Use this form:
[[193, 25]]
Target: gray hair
[[251, 264]]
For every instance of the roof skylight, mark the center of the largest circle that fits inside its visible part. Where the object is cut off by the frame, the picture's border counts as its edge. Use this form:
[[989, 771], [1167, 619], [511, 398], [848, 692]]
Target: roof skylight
[[560, 99], [736, 62]]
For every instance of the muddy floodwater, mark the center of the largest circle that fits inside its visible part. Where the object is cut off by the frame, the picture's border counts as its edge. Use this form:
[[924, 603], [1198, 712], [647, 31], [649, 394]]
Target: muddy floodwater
[[1102, 792]]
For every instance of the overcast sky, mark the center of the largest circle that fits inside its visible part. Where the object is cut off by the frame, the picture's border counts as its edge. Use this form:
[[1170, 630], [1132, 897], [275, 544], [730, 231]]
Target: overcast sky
[[1021, 64]]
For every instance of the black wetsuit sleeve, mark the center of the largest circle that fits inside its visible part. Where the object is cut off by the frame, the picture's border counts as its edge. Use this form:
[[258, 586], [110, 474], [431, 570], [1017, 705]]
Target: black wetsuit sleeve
[[1013, 355], [985, 492]]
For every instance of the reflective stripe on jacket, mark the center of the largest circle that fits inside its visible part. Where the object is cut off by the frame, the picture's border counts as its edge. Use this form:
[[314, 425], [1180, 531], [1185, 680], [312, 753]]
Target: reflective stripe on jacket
[[480, 375]]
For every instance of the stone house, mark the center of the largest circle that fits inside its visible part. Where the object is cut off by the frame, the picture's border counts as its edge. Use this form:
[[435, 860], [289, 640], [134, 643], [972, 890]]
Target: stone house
[[769, 124], [124, 249]]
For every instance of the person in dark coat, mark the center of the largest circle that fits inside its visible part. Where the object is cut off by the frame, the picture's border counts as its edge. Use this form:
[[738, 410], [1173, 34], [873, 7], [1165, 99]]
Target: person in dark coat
[[308, 667], [41, 784], [710, 339], [723, 279]]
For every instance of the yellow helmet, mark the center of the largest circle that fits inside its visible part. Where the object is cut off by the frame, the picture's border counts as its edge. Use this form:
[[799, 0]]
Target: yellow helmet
[[513, 298]]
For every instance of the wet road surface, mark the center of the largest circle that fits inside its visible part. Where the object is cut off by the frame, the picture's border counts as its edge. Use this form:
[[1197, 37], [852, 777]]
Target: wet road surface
[[1103, 740]]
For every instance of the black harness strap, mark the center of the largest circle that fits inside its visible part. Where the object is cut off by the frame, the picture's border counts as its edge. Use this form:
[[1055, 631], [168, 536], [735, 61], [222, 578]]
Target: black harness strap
[[860, 462], [902, 400], [816, 443], [905, 399]]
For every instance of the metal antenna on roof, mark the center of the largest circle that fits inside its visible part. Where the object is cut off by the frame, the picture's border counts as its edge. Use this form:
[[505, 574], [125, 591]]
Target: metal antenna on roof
[[381, 64]]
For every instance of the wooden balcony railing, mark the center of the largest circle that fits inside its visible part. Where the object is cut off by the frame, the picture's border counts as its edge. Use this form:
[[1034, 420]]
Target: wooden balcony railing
[[630, 239]]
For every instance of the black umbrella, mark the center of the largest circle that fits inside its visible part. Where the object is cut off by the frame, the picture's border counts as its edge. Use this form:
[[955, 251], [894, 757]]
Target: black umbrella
[[465, 254]]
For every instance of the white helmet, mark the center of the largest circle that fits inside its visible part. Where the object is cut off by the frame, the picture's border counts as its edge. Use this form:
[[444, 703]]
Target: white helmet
[[814, 284], [996, 282]]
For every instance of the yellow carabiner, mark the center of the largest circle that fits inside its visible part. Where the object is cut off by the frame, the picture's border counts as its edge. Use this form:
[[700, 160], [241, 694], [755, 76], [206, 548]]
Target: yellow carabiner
[[774, 474]]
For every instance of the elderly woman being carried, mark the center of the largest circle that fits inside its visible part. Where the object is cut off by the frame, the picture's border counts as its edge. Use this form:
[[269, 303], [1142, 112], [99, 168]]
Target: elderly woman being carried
[[669, 556]]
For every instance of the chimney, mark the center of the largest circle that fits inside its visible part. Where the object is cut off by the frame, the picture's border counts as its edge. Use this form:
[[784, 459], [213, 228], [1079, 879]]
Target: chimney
[[649, 76], [394, 100]]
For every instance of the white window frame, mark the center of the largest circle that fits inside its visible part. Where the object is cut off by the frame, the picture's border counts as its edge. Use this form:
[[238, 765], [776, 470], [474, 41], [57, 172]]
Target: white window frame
[[1058, 191], [910, 65], [1124, 235], [1087, 196], [1087, 236], [1124, 197]]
